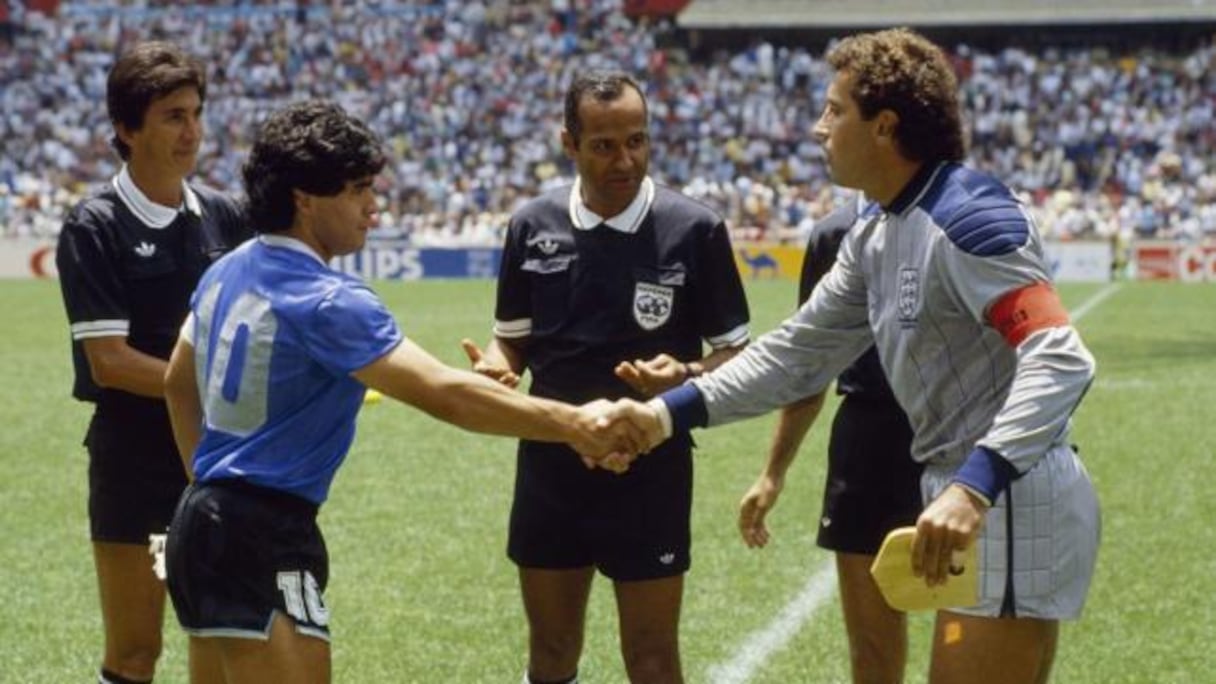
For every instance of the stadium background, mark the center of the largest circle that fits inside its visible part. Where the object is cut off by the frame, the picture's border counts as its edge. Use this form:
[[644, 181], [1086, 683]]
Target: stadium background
[[1100, 113]]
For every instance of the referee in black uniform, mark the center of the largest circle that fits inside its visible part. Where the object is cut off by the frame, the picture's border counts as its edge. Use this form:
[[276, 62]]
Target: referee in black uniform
[[873, 485], [608, 288], [128, 257]]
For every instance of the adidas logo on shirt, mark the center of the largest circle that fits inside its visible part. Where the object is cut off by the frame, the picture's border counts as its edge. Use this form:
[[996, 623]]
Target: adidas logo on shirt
[[145, 249]]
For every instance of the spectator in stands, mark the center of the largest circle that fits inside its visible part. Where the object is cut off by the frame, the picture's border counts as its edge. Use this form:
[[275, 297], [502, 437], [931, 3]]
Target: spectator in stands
[[443, 80]]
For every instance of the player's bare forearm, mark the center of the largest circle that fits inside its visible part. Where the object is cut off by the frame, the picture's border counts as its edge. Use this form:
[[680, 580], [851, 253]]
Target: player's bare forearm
[[477, 403], [718, 357], [185, 407], [114, 364], [792, 425], [793, 422]]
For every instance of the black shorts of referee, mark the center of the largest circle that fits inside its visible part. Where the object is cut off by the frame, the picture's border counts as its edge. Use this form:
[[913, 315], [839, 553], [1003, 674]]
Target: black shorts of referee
[[872, 484], [630, 527], [135, 472], [238, 553]]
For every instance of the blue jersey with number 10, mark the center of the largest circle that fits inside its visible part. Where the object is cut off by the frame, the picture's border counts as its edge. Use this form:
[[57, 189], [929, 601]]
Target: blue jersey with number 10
[[276, 335]]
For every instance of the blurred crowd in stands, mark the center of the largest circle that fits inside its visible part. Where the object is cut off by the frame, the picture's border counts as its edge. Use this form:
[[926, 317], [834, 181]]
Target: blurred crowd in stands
[[467, 94]]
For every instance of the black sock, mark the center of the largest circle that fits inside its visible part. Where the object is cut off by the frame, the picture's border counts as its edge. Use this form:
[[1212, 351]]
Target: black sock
[[573, 679], [108, 677]]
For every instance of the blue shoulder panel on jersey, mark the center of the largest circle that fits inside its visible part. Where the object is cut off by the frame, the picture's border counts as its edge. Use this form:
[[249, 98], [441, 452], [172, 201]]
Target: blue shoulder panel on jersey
[[989, 230], [978, 214]]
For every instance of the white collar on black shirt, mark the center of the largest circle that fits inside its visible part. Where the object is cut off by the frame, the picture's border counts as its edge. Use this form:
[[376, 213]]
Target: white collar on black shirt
[[626, 222], [152, 215]]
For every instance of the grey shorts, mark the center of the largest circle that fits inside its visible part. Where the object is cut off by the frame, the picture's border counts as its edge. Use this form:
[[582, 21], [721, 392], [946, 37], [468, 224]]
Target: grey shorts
[[1039, 544]]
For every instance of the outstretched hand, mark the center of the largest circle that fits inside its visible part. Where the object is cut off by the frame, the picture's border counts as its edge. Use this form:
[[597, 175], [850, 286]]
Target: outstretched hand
[[481, 366], [756, 503], [654, 375]]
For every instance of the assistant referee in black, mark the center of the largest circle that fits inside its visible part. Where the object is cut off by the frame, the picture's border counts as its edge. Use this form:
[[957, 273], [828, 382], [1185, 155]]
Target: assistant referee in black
[[872, 483], [128, 258]]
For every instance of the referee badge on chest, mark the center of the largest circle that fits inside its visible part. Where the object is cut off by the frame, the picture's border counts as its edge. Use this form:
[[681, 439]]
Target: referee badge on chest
[[652, 304]]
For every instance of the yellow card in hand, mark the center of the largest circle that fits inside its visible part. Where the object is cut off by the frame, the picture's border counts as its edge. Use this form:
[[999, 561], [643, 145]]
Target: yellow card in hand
[[892, 571]]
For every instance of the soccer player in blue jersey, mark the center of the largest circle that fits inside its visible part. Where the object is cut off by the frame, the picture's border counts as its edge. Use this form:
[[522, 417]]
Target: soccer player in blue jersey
[[950, 285], [263, 388], [129, 256]]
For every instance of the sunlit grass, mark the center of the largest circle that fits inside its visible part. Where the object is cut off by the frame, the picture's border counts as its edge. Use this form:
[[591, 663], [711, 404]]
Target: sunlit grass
[[421, 589]]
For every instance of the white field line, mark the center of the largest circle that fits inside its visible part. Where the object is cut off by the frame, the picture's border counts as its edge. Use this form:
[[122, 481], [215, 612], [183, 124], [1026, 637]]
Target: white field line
[[1137, 384], [1097, 298], [818, 590], [756, 649]]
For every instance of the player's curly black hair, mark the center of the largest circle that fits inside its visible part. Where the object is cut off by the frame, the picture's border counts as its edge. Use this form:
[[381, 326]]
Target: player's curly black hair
[[602, 86], [904, 72], [313, 146], [148, 71]]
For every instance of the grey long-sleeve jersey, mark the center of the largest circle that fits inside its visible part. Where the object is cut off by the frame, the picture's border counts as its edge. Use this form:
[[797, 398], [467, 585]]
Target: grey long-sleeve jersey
[[918, 282]]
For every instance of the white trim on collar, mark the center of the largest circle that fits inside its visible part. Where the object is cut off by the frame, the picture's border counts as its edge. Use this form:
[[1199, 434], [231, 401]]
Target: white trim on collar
[[278, 240], [626, 222], [150, 213]]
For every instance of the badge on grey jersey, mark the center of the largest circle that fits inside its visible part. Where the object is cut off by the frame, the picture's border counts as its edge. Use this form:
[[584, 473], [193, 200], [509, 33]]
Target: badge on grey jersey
[[909, 294], [652, 304]]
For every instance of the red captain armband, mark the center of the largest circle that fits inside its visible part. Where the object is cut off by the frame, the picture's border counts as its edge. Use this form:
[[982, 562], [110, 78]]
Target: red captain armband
[[1019, 313]]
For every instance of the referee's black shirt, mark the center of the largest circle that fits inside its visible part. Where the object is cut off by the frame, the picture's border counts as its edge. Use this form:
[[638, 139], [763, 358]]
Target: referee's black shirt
[[118, 273], [865, 378], [601, 296]]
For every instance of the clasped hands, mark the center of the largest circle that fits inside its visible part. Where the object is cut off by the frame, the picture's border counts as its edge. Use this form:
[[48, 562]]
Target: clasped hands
[[607, 434], [612, 434]]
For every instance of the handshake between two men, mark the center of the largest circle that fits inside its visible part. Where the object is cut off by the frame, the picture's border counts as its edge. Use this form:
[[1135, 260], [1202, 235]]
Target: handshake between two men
[[606, 434], [611, 434]]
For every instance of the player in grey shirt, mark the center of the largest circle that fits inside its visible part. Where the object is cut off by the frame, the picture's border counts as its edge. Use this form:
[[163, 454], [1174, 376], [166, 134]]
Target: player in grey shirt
[[950, 284]]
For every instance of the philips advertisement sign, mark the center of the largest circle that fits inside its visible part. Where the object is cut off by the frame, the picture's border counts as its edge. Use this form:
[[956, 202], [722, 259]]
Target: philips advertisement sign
[[393, 260]]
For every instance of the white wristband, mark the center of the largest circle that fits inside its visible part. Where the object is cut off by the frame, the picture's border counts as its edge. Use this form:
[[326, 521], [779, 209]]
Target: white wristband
[[660, 410]]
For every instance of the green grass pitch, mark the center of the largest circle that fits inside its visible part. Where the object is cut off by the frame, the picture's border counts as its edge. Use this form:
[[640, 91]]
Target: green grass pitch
[[421, 590]]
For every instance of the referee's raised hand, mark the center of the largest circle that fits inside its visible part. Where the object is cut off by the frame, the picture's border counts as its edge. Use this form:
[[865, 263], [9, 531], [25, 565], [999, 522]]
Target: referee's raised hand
[[652, 376], [483, 366]]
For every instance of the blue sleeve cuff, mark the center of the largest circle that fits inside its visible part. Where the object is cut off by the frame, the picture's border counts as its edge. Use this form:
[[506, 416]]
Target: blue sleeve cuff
[[986, 472], [687, 407]]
